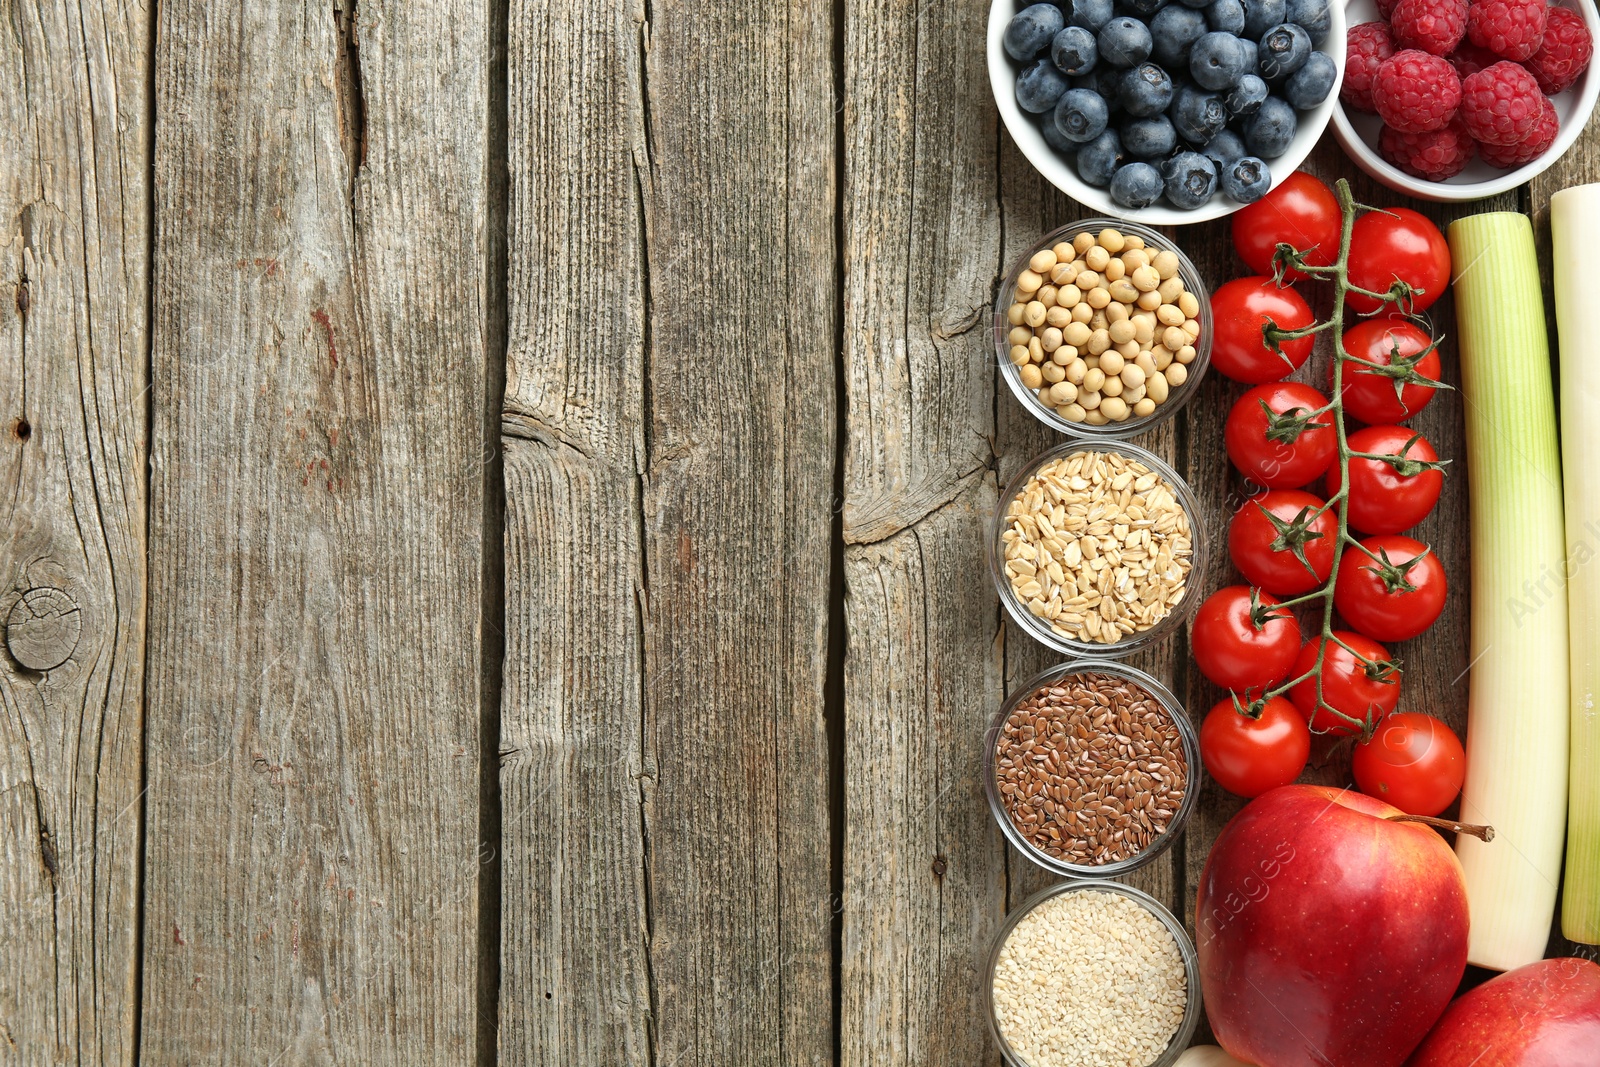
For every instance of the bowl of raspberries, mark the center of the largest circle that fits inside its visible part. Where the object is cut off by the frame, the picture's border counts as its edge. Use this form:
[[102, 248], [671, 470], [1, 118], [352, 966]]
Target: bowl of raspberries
[[1168, 111], [1461, 99]]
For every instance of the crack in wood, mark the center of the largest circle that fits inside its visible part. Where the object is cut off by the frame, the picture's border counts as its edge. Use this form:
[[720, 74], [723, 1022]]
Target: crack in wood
[[352, 92]]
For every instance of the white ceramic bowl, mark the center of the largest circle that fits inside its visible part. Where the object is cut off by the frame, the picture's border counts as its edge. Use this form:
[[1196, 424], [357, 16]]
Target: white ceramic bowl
[[1024, 129], [1358, 132]]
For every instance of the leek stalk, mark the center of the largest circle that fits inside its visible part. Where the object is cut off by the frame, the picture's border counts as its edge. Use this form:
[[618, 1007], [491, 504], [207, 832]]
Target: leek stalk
[[1517, 708], [1575, 227]]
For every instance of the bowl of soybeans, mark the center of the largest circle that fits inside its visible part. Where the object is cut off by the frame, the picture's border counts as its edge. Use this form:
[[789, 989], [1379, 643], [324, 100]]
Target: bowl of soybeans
[[1102, 329]]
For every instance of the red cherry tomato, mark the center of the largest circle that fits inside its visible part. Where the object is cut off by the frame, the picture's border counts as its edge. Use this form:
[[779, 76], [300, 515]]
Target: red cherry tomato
[[1301, 212], [1394, 600], [1413, 761], [1397, 243], [1250, 756], [1383, 499], [1239, 311], [1273, 438], [1392, 341], [1357, 688], [1244, 646], [1264, 550]]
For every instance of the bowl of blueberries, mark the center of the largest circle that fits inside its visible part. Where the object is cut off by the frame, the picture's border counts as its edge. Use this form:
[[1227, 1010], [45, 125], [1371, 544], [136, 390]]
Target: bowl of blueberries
[[1167, 111]]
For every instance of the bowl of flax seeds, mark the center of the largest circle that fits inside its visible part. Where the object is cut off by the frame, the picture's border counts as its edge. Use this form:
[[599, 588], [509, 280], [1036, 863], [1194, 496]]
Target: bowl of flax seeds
[[1093, 769]]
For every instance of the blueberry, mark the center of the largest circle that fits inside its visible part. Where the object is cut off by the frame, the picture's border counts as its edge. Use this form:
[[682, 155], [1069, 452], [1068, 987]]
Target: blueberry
[[1191, 179], [1198, 5], [1136, 185], [1092, 15], [1144, 8], [1262, 15], [1030, 30], [1124, 42], [1311, 84], [1252, 53], [1149, 138], [1246, 180], [1224, 149], [1218, 60], [1107, 81], [1073, 50], [1197, 115], [1053, 136], [1284, 50], [1226, 16], [1039, 86], [1146, 90], [1313, 15], [1245, 98], [1099, 159], [1267, 133], [1081, 115], [1173, 30]]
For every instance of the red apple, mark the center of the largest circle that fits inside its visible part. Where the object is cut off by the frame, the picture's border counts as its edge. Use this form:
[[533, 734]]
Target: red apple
[[1546, 1014], [1329, 935]]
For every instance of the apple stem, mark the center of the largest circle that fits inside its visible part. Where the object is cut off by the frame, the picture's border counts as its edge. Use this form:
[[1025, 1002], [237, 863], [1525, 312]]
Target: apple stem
[[1482, 833]]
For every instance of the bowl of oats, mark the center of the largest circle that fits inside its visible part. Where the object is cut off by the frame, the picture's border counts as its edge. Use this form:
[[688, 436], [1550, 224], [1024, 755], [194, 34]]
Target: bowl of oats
[[1094, 547]]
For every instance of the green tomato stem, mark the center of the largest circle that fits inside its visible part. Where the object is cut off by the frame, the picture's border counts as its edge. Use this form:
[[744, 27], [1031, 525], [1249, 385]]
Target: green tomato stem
[[1339, 273]]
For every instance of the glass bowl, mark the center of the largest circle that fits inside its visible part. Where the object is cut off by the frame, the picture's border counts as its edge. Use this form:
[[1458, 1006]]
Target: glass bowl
[[1191, 964], [1191, 784], [1131, 426], [1040, 629]]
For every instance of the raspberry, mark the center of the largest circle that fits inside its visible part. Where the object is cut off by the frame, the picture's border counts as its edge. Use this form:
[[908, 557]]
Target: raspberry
[[1435, 26], [1415, 92], [1366, 47], [1564, 53], [1469, 58], [1511, 29], [1500, 103], [1386, 8], [1435, 156], [1536, 144]]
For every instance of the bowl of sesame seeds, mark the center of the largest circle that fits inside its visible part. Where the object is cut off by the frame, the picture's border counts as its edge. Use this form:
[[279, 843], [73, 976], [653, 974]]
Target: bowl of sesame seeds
[[1093, 769], [1094, 546], [1092, 974]]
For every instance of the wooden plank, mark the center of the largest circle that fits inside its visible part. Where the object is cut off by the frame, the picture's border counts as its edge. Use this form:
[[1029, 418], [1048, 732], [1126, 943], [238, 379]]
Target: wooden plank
[[317, 534], [666, 815], [1032, 207], [736, 496], [74, 330], [575, 931], [924, 865]]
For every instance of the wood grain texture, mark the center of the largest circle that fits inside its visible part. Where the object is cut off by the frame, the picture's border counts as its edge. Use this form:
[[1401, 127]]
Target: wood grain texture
[[736, 495], [1032, 207], [666, 790], [74, 331], [575, 947], [924, 865], [316, 533]]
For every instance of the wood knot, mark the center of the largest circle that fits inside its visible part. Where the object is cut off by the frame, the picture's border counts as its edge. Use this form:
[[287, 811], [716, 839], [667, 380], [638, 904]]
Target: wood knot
[[43, 628]]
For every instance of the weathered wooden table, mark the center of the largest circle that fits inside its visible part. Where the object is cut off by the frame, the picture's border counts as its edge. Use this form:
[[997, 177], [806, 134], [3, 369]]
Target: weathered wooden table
[[493, 556]]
